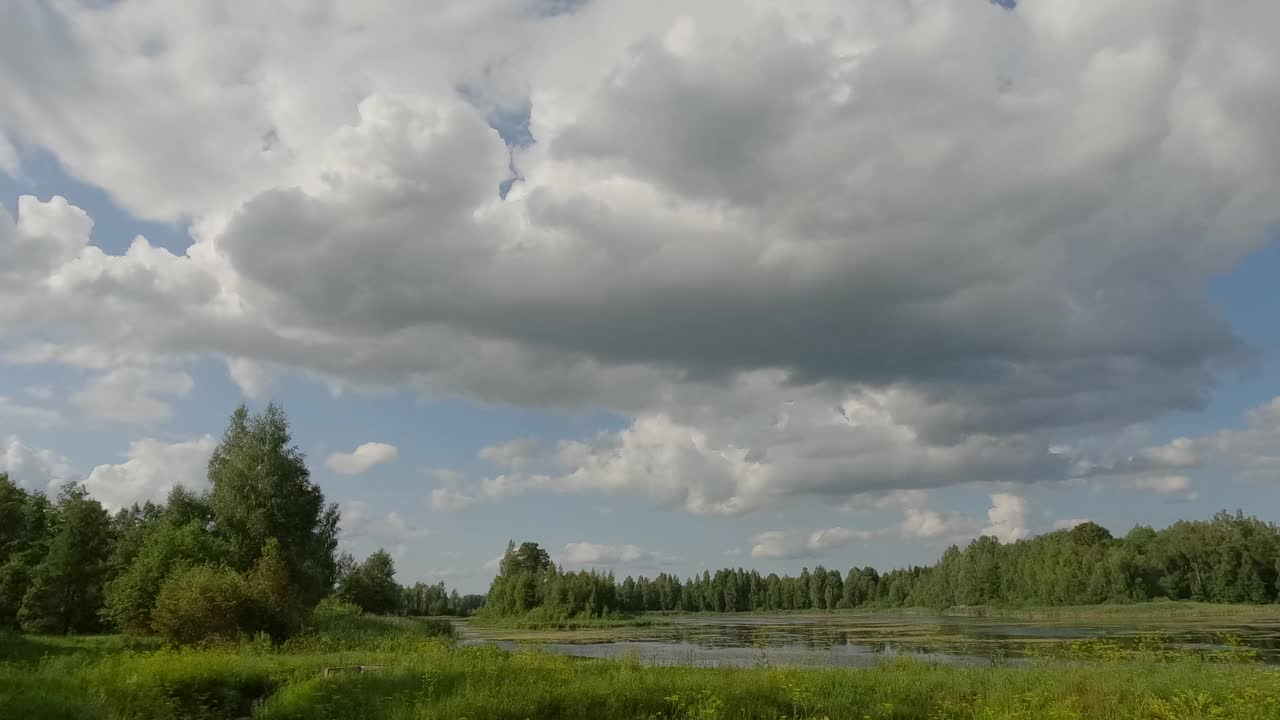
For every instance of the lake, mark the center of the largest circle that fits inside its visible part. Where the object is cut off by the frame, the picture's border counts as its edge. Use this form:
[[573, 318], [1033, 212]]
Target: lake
[[863, 639]]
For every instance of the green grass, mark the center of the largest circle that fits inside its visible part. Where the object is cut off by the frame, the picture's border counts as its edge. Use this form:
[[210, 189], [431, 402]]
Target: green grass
[[421, 675], [368, 632], [30, 649], [1159, 609], [1152, 609]]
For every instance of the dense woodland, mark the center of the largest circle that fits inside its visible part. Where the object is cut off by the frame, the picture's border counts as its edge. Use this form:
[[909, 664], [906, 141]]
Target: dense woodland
[[258, 551], [254, 554], [1229, 559]]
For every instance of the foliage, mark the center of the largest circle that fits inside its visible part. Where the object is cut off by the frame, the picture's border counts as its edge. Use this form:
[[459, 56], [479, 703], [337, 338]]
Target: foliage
[[203, 603], [333, 610], [25, 520], [263, 490], [164, 549], [261, 541], [366, 633], [66, 588], [1229, 559], [425, 599], [371, 585], [422, 678], [528, 581], [278, 611]]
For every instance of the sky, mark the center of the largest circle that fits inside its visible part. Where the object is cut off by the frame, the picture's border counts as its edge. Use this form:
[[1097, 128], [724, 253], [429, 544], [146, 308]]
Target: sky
[[662, 286]]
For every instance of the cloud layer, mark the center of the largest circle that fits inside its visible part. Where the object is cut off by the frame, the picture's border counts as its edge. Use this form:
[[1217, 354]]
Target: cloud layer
[[814, 249]]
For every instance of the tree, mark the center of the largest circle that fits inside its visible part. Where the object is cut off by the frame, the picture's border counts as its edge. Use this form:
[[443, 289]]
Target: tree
[[165, 549], [523, 579], [274, 598], [262, 490], [129, 529], [1089, 534], [67, 586], [24, 540], [372, 585]]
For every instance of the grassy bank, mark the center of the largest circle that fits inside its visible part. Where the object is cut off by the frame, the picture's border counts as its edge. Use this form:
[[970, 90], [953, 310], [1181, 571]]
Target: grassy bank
[[419, 675], [1156, 610]]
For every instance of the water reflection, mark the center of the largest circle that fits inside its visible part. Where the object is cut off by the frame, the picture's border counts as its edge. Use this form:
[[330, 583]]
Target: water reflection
[[853, 640]]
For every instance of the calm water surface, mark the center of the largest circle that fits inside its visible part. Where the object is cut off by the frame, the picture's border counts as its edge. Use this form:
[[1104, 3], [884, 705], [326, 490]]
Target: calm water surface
[[859, 640]]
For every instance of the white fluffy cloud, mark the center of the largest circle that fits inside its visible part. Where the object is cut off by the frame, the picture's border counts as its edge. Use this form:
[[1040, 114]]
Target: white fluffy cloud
[[780, 544], [35, 468], [1007, 519], [151, 470], [362, 459], [449, 498], [1178, 487], [763, 233], [1247, 453], [767, 442], [133, 394], [588, 554], [925, 523], [364, 530], [253, 378], [1251, 452]]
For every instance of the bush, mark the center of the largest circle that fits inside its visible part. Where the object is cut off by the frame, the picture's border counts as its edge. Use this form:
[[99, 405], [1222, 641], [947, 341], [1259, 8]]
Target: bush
[[167, 549], [333, 610], [278, 611], [204, 603]]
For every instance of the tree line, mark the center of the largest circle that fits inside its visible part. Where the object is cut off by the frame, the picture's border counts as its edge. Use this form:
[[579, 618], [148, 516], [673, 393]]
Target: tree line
[[371, 586], [1227, 559], [255, 553]]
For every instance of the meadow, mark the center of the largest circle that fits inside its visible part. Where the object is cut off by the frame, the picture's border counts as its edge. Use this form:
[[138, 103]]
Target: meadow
[[232, 604], [414, 669]]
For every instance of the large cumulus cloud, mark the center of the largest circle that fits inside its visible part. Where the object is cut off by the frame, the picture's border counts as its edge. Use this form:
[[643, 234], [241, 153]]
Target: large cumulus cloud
[[807, 248]]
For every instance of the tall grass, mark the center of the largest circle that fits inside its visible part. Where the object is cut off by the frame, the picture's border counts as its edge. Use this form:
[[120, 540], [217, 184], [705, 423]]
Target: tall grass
[[419, 676], [1156, 610]]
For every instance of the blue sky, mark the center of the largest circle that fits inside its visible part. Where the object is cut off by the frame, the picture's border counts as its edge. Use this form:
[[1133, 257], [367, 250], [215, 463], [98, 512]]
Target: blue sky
[[717, 321]]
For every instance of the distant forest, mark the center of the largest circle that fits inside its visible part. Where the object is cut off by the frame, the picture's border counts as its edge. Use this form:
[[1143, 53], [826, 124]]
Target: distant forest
[[1228, 559]]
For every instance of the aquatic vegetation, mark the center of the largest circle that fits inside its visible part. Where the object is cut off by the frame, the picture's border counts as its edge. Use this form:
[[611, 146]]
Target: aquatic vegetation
[[1151, 610], [412, 674]]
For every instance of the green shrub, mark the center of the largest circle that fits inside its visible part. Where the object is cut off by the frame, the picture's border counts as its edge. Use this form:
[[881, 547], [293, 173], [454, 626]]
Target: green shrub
[[333, 610], [278, 611], [204, 603], [131, 596]]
